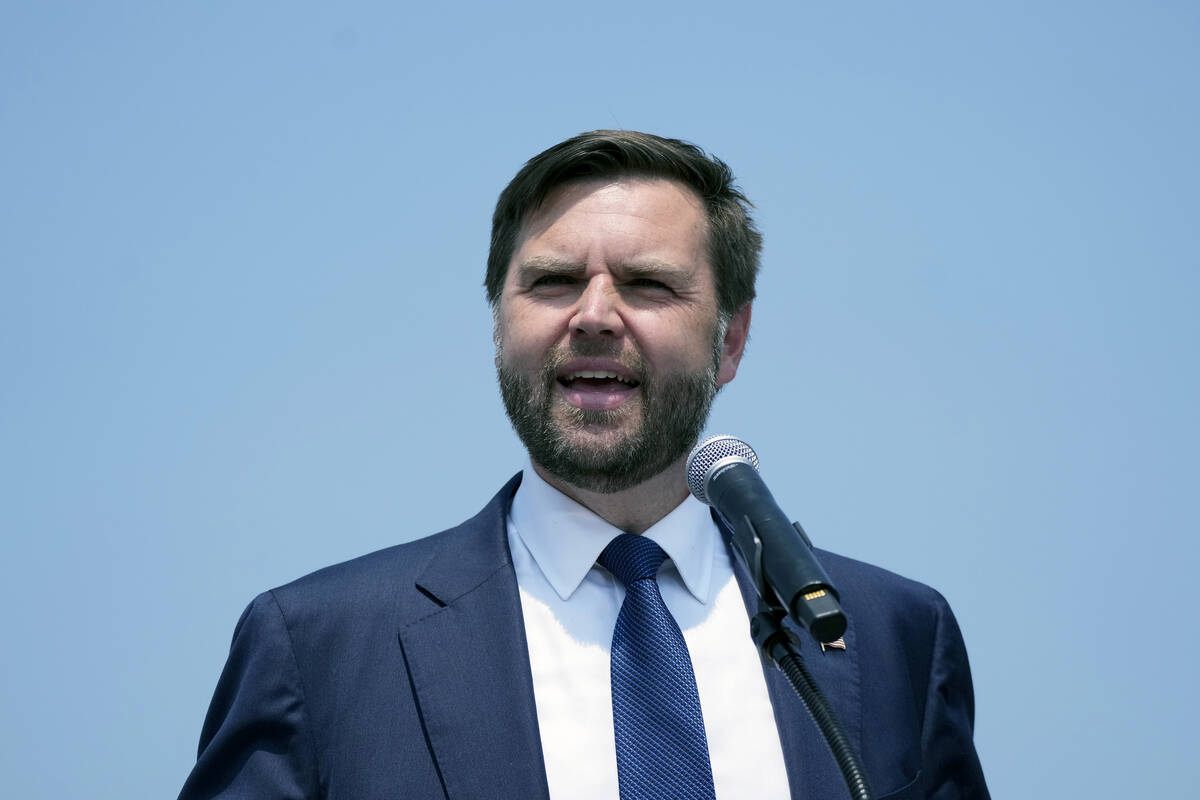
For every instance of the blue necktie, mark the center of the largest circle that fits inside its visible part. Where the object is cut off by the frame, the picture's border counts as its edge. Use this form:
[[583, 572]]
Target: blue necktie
[[661, 748]]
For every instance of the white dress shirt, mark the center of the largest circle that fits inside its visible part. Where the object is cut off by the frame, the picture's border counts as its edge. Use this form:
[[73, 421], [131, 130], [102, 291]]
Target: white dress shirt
[[570, 605]]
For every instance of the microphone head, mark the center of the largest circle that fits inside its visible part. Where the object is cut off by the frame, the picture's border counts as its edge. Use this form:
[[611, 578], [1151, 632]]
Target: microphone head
[[710, 456]]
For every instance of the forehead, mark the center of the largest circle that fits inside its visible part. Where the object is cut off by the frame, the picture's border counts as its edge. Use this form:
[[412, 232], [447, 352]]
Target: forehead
[[618, 219]]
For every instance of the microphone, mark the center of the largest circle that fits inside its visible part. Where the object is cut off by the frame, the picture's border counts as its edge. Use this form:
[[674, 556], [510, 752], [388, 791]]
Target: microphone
[[722, 471]]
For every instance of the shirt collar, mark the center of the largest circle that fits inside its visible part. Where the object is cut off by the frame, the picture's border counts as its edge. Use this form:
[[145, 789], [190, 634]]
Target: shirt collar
[[565, 539]]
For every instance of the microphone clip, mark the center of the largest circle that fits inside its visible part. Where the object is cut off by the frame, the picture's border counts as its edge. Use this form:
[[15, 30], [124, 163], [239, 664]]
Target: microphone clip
[[817, 609]]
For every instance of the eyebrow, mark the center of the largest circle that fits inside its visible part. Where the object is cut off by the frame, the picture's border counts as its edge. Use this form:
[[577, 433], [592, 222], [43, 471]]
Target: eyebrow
[[659, 269], [550, 265], [651, 268]]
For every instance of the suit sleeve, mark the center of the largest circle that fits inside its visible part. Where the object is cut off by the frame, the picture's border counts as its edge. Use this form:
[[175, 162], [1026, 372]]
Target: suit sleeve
[[951, 769], [257, 741]]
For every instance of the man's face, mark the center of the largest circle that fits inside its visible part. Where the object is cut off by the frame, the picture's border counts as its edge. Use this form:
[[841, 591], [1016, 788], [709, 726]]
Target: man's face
[[609, 349]]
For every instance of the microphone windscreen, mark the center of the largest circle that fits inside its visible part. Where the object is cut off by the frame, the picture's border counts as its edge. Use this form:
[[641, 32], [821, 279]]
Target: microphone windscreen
[[708, 455]]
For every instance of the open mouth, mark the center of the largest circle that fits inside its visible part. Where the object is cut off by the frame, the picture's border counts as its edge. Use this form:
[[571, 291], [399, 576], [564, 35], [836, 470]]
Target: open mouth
[[595, 380], [597, 388]]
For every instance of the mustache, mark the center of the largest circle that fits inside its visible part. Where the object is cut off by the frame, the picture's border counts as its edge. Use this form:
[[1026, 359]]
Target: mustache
[[592, 348]]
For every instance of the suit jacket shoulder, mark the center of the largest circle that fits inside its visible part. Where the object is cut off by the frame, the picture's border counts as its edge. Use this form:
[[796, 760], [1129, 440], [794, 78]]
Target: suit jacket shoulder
[[453, 561], [404, 670], [905, 693]]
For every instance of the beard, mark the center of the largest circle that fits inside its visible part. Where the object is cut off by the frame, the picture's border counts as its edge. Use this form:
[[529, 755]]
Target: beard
[[673, 412]]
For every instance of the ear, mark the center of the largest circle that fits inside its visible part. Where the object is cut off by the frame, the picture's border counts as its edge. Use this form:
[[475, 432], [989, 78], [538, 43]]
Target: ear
[[733, 346]]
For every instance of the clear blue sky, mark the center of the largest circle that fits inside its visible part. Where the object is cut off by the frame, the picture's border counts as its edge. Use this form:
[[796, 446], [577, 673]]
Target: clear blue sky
[[242, 331]]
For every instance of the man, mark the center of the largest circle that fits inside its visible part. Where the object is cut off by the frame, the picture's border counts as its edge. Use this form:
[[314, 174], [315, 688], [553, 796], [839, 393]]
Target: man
[[510, 656]]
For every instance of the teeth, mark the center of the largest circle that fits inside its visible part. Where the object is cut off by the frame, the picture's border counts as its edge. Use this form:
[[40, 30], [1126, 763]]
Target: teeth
[[599, 374]]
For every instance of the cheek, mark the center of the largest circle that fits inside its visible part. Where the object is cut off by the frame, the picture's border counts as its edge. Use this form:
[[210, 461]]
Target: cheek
[[675, 348], [523, 346]]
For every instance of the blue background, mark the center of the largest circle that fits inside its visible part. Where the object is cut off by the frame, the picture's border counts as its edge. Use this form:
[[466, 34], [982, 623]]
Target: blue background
[[243, 334]]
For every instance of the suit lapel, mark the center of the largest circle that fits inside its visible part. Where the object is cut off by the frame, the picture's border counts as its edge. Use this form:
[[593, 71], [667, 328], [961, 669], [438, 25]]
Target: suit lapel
[[469, 665], [811, 770]]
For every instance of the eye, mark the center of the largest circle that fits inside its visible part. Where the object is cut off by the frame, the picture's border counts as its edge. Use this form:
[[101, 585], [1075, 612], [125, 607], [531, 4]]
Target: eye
[[649, 286], [547, 281]]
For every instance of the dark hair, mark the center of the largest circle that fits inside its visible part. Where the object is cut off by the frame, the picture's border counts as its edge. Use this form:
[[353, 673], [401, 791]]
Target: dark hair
[[734, 243]]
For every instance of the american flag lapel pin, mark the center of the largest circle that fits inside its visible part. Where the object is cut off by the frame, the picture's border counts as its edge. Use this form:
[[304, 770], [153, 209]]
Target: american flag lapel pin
[[837, 644]]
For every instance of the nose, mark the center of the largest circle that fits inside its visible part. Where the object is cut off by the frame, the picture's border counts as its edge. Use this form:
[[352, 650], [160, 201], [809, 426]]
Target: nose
[[598, 312]]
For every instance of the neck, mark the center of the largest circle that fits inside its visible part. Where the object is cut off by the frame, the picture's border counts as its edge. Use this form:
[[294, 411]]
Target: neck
[[635, 509]]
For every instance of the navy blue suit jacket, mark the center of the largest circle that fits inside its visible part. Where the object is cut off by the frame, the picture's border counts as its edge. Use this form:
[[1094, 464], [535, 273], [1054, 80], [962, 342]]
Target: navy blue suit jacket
[[405, 673]]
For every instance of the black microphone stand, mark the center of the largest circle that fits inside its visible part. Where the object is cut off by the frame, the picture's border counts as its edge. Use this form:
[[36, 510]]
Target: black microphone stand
[[778, 647]]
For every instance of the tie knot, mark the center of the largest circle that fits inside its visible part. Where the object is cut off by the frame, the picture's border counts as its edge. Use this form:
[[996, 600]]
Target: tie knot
[[632, 558]]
